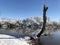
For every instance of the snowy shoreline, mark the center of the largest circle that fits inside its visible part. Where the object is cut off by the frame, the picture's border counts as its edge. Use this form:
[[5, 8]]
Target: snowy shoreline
[[12, 41]]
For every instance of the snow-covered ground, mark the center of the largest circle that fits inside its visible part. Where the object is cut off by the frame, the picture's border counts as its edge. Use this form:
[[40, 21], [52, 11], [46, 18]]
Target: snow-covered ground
[[6, 37], [4, 40]]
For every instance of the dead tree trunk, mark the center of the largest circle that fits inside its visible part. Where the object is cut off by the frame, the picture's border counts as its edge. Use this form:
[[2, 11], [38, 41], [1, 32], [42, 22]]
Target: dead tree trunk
[[44, 20], [37, 40]]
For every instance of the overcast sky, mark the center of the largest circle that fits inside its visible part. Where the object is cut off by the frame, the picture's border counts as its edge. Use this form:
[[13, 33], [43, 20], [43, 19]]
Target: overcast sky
[[21, 9]]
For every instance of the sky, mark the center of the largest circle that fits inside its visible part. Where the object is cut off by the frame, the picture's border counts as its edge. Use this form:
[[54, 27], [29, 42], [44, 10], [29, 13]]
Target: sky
[[21, 9]]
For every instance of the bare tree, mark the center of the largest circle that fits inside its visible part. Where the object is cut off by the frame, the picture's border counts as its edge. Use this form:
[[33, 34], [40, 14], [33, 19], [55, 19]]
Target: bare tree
[[44, 23], [44, 20], [37, 41]]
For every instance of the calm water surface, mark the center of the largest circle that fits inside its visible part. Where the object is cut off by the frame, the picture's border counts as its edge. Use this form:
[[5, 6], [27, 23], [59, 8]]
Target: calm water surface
[[52, 39]]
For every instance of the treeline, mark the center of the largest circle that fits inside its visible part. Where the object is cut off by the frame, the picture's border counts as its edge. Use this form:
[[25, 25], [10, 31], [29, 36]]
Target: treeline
[[10, 24], [28, 23]]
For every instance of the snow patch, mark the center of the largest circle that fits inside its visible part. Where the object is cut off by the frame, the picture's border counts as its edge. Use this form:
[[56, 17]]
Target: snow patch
[[13, 40]]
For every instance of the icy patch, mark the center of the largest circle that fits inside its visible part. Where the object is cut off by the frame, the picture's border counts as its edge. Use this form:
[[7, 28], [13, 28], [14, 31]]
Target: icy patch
[[5, 36], [13, 42], [5, 40]]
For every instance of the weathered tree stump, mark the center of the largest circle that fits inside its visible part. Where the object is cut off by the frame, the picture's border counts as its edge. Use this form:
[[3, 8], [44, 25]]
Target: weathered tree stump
[[44, 20]]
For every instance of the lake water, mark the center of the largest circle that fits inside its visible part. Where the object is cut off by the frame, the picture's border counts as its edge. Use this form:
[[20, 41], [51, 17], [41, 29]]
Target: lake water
[[52, 39]]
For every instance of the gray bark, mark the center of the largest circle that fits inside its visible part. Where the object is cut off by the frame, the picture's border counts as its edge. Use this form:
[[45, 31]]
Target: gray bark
[[44, 20]]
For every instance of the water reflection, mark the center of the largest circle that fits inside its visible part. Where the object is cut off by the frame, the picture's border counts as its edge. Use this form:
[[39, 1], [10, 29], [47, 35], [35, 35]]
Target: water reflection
[[20, 32], [52, 39]]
